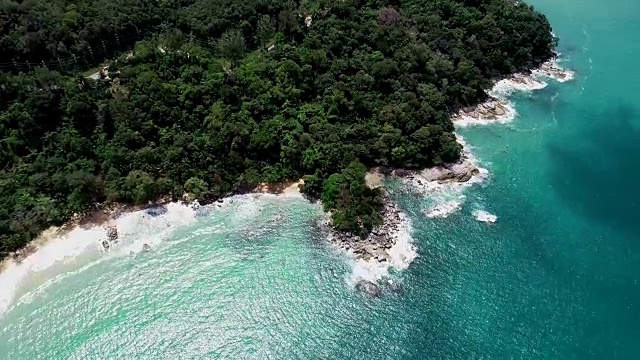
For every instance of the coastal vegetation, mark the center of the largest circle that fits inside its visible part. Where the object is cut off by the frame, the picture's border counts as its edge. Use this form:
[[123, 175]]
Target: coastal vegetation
[[216, 97]]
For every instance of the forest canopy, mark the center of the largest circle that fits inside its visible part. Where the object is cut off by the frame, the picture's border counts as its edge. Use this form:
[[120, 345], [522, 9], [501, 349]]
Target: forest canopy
[[214, 97]]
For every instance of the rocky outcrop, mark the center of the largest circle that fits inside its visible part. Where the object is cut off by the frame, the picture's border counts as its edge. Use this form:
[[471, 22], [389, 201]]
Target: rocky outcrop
[[155, 211], [111, 233], [493, 109], [461, 171], [525, 81], [380, 240], [368, 288], [395, 286], [551, 70]]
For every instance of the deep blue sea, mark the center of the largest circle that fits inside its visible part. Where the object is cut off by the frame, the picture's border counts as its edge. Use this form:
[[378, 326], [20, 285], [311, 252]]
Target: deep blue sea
[[555, 277]]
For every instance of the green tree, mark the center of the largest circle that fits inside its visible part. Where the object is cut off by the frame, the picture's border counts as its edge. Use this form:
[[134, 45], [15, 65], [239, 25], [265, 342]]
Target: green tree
[[140, 187], [265, 29], [231, 45], [195, 188]]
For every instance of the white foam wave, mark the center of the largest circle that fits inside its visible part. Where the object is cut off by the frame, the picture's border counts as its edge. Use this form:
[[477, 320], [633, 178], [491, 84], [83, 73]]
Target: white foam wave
[[484, 216], [517, 82], [496, 110], [57, 251], [463, 120], [138, 228], [552, 70], [568, 75], [443, 210], [61, 254], [31, 295], [447, 197]]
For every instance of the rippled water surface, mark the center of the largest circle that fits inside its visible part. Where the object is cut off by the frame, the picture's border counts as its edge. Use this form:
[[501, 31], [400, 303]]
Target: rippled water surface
[[556, 276]]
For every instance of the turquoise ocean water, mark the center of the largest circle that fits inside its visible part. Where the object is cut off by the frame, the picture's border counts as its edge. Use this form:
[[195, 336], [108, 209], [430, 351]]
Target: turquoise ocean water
[[556, 277]]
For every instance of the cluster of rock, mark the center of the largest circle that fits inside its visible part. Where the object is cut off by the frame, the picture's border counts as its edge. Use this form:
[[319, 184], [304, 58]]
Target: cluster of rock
[[368, 287], [112, 237], [525, 81], [551, 69], [493, 109], [372, 289], [461, 171], [380, 240]]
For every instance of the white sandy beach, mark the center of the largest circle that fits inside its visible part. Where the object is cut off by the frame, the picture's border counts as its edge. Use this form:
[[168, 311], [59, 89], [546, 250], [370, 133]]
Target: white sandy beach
[[58, 250]]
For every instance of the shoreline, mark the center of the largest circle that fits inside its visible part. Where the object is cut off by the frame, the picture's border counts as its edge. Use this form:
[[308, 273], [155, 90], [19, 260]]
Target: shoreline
[[105, 215], [138, 229], [390, 244], [372, 253], [497, 109]]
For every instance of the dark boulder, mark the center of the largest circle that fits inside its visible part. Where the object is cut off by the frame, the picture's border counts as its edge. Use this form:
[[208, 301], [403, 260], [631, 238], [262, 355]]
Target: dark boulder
[[156, 210], [112, 233], [395, 286], [368, 288]]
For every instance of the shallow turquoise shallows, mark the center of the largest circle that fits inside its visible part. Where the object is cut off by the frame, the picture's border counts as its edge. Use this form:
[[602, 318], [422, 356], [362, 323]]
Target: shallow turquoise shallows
[[556, 277]]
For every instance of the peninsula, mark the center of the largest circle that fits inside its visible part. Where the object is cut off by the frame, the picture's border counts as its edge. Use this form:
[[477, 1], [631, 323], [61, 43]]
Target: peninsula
[[214, 98]]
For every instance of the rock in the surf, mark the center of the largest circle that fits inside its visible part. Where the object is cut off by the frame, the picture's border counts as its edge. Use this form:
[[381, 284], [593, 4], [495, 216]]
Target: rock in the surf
[[395, 286], [461, 171], [368, 288], [112, 233], [464, 171], [156, 211]]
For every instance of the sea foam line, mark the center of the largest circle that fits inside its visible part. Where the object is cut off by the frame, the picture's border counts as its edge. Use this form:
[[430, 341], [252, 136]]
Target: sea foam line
[[58, 252], [497, 109]]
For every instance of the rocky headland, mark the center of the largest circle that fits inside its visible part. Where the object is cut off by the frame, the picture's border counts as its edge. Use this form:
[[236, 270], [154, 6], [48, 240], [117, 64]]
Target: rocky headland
[[496, 109], [389, 244], [376, 246]]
